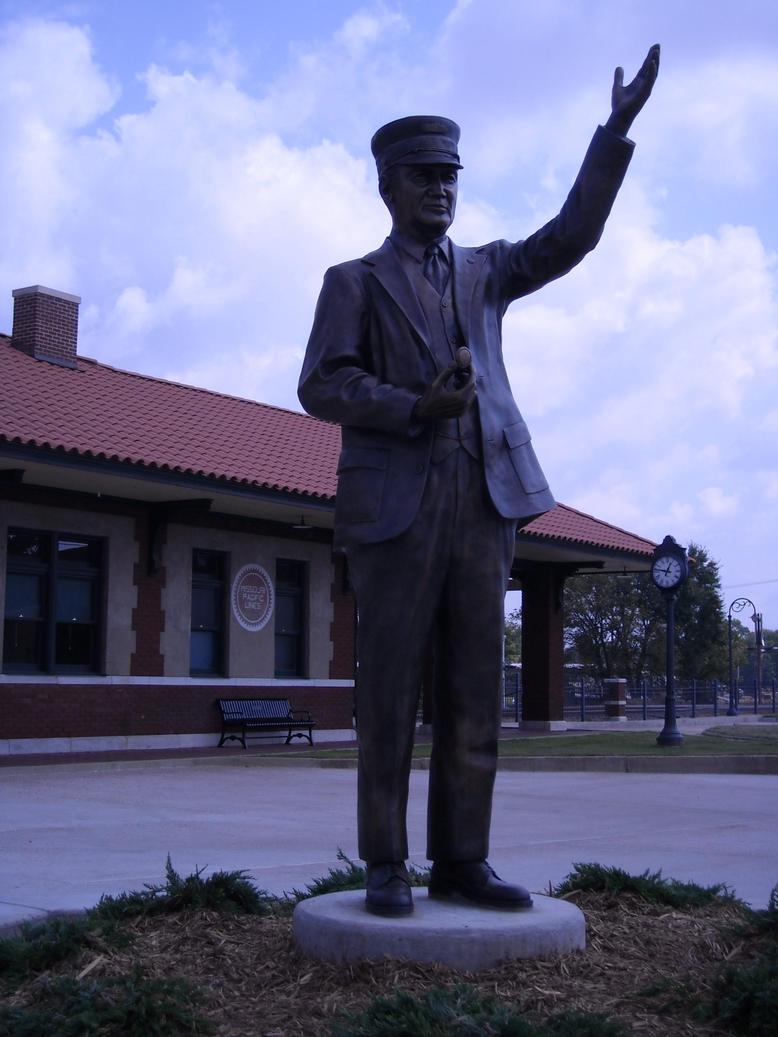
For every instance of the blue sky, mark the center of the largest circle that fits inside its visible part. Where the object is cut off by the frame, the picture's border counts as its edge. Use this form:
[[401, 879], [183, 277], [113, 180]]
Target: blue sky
[[191, 169]]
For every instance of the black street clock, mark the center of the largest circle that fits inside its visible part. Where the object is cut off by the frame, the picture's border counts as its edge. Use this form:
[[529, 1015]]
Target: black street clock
[[669, 566], [669, 571]]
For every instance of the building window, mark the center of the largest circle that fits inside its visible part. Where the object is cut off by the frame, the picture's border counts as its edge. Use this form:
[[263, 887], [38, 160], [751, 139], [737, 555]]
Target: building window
[[52, 603], [207, 639], [290, 618]]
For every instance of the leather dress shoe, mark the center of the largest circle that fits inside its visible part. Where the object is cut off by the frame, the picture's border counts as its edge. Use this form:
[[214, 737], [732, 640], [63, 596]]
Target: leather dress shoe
[[388, 889], [477, 882]]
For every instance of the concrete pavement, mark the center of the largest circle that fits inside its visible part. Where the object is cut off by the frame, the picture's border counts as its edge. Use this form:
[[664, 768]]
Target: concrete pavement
[[70, 834]]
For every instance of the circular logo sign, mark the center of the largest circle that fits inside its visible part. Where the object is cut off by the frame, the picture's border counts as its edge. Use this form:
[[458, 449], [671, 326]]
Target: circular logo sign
[[252, 597]]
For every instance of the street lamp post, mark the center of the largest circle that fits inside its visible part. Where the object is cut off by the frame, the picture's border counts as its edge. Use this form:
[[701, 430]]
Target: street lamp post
[[758, 649], [737, 606]]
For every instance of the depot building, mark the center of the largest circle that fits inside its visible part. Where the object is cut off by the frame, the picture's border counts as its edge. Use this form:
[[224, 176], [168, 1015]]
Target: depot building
[[163, 546]]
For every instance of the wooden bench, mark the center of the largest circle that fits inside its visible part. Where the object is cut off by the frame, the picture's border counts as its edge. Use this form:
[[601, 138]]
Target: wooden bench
[[259, 718]]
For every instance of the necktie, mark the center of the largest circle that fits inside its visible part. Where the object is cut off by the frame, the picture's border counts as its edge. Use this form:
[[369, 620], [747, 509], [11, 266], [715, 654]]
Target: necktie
[[435, 267]]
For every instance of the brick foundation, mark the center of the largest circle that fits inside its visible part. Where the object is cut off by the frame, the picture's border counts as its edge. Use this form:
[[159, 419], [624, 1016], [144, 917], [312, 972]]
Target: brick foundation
[[74, 710]]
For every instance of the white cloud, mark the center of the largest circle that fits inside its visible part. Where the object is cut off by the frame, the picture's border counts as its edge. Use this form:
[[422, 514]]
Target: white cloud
[[364, 29], [768, 483], [48, 76], [718, 502], [340, 83], [50, 87], [649, 334], [192, 232], [721, 117], [133, 312]]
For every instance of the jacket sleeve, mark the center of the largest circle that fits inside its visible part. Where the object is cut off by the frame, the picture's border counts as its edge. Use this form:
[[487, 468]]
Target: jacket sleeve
[[336, 382], [563, 242]]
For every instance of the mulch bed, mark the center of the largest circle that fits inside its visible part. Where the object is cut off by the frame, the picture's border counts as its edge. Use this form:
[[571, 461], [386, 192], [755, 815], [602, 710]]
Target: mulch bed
[[256, 983]]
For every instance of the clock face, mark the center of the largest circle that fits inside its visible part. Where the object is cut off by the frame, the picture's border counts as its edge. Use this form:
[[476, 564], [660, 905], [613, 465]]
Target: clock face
[[667, 572]]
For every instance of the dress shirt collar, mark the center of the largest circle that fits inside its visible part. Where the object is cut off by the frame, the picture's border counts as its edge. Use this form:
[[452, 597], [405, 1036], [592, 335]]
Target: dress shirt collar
[[415, 249]]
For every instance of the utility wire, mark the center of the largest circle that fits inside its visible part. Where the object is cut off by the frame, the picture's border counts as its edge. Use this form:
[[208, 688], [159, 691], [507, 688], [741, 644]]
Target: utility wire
[[752, 583]]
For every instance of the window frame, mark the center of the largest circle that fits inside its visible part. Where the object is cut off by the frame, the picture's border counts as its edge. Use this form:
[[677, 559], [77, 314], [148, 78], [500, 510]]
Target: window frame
[[219, 583], [297, 591], [51, 570]]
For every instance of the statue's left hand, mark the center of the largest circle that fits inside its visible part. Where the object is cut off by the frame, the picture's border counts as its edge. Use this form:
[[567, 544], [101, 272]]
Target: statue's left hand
[[626, 101]]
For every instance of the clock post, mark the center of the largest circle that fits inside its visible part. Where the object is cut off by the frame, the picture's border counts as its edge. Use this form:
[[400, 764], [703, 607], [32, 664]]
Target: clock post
[[669, 571]]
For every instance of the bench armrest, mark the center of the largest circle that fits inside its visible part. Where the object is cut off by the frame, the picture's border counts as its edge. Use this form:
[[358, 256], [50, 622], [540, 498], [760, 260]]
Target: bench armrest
[[301, 714]]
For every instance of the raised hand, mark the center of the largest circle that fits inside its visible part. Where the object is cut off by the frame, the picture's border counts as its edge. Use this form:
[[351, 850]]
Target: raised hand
[[626, 101]]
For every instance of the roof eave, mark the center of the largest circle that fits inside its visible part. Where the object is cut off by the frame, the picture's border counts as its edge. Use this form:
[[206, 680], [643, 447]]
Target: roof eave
[[63, 458]]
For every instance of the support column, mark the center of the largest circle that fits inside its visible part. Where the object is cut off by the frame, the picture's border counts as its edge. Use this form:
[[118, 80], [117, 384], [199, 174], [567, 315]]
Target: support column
[[148, 616], [542, 648]]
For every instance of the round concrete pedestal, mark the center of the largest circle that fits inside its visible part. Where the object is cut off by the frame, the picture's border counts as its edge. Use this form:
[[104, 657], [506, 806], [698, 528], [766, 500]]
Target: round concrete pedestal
[[336, 927]]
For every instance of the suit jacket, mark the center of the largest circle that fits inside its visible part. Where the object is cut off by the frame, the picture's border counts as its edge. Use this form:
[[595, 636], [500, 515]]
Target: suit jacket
[[368, 360]]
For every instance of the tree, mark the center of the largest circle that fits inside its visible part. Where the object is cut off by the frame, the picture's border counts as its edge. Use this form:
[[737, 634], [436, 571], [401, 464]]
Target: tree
[[700, 626], [744, 654], [613, 623], [513, 636], [770, 659], [617, 624]]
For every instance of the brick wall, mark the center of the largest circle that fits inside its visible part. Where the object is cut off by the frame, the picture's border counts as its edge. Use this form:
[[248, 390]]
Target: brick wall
[[89, 710]]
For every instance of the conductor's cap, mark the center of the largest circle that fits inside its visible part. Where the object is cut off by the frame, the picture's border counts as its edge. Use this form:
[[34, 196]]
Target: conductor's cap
[[417, 140]]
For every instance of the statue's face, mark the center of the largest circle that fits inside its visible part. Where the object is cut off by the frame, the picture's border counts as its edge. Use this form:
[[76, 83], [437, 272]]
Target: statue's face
[[422, 199]]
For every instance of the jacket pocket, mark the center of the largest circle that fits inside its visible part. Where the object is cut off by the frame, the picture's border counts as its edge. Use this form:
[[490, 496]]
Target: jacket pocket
[[361, 478], [524, 459]]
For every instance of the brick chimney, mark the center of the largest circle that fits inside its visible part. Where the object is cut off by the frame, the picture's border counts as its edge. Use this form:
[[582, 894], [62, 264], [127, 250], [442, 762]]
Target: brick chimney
[[46, 324]]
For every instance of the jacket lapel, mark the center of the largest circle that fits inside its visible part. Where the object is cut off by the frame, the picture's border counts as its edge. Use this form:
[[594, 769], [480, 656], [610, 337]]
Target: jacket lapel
[[387, 269], [467, 265]]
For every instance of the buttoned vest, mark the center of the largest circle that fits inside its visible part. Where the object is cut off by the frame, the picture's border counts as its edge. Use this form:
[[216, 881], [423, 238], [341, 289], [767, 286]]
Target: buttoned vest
[[445, 338]]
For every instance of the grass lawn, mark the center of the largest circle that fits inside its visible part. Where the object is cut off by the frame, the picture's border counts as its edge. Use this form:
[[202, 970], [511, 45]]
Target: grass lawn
[[714, 742], [734, 740]]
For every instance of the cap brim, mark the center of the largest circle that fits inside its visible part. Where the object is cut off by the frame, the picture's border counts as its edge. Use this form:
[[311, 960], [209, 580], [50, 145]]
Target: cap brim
[[427, 158]]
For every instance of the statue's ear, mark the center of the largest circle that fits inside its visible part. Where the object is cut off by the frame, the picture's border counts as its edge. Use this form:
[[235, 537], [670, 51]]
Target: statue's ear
[[385, 189]]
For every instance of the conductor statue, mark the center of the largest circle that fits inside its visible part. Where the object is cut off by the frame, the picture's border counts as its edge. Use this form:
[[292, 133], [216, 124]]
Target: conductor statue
[[436, 473]]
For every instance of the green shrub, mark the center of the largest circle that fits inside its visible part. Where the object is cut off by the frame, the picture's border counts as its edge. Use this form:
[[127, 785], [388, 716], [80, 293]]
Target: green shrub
[[460, 1012], [464, 1012], [746, 998], [582, 1024], [227, 891], [41, 945], [766, 922], [651, 886], [126, 1006]]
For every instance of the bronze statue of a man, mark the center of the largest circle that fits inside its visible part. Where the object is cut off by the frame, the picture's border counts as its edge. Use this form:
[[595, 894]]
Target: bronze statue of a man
[[436, 472]]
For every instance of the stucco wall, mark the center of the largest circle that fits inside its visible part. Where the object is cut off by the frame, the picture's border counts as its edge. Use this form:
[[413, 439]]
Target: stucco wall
[[121, 555], [249, 653]]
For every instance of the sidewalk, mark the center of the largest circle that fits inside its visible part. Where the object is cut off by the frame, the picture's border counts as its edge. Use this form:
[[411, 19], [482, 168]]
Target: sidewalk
[[72, 833]]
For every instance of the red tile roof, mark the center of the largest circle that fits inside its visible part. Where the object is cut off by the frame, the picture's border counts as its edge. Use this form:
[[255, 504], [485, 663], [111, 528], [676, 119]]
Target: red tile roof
[[97, 411], [566, 524]]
